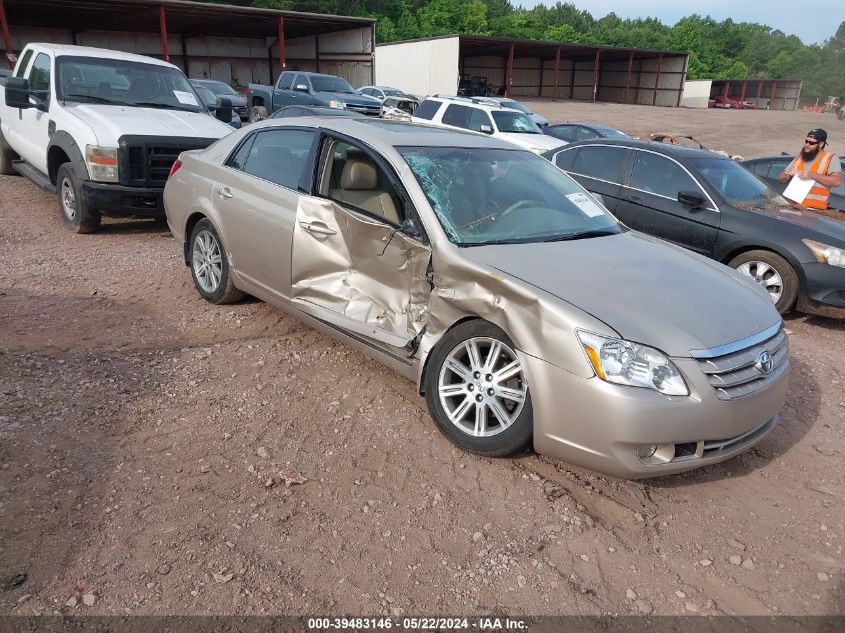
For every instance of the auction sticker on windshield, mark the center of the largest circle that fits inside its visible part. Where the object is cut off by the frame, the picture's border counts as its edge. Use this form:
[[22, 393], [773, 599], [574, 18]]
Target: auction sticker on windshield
[[185, 97], [586, 204]]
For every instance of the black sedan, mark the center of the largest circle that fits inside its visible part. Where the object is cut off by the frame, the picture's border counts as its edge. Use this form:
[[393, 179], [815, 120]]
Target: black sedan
[[571, 132], [711, 205], [222, 89], [769, 168]]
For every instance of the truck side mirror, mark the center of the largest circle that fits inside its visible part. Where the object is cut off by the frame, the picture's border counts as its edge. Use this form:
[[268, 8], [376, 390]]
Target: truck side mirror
[[301, 88], [18, 93], [223, 112]]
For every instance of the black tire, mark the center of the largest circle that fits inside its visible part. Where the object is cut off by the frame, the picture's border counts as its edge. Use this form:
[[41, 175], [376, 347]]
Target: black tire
[[778, 266], [73, 205], [7, 155], [223, 291], [508, 439]]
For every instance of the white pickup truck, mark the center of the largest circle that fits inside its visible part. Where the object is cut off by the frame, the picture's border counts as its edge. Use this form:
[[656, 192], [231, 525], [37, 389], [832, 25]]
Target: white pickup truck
[[100, 128]]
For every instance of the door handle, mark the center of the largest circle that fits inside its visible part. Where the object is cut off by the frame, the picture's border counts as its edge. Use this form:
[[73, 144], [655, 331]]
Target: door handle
[[224, 193], [317, 229]]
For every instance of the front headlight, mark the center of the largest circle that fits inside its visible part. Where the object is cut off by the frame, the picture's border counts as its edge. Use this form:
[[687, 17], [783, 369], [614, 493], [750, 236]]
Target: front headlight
[[826, 254], [102, 163], [337, 104], [625, 363]]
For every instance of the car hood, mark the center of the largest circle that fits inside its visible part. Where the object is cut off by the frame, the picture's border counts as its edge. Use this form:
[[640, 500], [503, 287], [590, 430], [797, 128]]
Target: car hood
[[345, 97], [533, 142], [827, 222], [539, 120], [110, 122], [648, 291]]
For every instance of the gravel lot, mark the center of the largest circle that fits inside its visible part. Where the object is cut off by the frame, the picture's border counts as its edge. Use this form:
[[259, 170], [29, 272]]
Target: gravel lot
[[150, 445]]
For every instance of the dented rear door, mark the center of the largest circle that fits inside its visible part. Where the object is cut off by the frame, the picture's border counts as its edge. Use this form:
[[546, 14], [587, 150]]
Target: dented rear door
[[359, 274]]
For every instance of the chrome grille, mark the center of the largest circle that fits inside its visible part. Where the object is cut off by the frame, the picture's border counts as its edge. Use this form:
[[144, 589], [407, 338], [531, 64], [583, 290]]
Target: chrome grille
[[369, 110], [735, 375]]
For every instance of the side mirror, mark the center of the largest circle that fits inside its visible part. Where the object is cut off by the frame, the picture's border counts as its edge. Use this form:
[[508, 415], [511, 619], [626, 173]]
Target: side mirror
[[410, 228], [301, 88], [18, 93], [223, 111], [691, 199], [486, 129]]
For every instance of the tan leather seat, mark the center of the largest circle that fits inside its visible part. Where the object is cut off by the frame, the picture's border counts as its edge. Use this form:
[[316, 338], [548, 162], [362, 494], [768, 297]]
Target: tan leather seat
[[358, 186]]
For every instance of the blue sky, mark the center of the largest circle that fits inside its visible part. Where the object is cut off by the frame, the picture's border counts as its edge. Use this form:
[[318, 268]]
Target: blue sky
[[813, 20]]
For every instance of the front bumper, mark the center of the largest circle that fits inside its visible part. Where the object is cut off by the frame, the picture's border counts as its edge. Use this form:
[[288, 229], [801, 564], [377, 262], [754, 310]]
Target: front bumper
[[600, 426], [120, 200], [825, 290]]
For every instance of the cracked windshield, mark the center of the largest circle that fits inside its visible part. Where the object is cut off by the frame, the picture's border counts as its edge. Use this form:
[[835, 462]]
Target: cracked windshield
[[500, 196]]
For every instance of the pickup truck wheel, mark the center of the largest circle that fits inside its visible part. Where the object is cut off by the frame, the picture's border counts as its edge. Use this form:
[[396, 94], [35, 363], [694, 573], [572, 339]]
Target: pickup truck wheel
[[257, 113], [7, 155], [77, 214], [210, 266]]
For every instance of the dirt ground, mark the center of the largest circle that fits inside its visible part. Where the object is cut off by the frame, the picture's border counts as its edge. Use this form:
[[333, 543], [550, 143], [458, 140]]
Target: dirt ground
[[146, 437]]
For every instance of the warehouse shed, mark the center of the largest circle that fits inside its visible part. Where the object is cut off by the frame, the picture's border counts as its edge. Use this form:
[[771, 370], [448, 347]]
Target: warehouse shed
[[529, 68], [234, 44], [771, 94]]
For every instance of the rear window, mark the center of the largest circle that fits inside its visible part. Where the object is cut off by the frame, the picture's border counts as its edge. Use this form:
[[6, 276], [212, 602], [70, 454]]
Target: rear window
[[285, 81], [427, 109]]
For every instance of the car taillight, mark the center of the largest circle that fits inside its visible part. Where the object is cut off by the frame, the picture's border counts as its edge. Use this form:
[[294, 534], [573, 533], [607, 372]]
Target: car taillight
[[174, 169]]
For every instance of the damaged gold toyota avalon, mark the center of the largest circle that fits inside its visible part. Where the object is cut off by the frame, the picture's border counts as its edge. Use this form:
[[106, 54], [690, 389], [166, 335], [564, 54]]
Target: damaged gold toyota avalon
[[524, 311]]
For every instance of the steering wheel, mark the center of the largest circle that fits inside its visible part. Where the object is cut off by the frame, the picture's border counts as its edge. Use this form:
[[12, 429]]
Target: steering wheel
[[518, 205]]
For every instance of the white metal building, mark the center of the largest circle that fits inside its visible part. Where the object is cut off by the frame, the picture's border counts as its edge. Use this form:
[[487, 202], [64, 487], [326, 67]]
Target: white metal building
[[234, 44], [531, 68]]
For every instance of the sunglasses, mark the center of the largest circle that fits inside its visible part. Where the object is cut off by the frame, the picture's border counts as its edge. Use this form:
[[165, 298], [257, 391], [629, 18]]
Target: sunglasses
[[811, 142]]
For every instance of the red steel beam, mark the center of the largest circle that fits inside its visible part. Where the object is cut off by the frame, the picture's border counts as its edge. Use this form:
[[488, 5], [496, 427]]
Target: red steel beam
[[596, 76], [509, 73], [557, 70], [282, 58], [744, 88], [657, 79], [628, 74], [7, 37], [772, 100], [162, 25]]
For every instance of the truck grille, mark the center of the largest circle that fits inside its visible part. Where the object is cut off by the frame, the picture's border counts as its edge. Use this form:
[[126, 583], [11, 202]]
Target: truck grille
[[369, 110], [145, 161], [742, 373]]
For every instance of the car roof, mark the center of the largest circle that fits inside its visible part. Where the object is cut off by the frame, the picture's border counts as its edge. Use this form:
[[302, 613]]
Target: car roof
[[310, 74], [676, 151], [592, 126], [472, 101], [62, 50], [396, 133]]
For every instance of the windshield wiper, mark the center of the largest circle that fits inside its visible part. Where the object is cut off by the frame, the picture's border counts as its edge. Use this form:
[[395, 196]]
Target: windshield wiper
[[162, 106], [582, 235], [95, 98], [515, 240]]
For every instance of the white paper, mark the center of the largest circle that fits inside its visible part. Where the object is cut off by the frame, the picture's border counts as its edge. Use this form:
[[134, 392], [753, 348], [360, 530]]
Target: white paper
[[185, 97], [798, 189], [586, 204]]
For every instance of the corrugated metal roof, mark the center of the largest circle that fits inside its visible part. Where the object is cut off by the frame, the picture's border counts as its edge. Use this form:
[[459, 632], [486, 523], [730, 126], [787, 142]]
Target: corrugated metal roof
[[184, 17]]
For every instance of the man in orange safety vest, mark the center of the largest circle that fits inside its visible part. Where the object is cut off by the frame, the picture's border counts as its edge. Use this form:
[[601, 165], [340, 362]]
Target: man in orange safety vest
[[815, 163]]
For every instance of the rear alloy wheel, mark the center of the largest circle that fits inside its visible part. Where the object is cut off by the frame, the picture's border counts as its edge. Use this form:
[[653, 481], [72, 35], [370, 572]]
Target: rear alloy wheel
[[210, 266], [257, 113], [73, 205], [477, 391], [772, 272]]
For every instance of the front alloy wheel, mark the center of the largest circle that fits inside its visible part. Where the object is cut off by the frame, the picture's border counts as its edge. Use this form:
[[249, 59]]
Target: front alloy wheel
[[771, 271], [477, 391], [482, 386]]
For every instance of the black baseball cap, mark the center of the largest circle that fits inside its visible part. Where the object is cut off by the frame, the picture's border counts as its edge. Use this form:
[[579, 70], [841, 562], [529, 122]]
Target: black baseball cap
[[819, 134]]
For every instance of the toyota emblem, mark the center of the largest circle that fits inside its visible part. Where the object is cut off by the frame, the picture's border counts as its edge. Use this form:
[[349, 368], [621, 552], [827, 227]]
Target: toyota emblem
[[764, 362]]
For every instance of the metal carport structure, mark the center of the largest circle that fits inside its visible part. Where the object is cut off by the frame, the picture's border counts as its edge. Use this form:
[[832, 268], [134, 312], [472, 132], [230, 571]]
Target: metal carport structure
[[235, 44], [530, 68]]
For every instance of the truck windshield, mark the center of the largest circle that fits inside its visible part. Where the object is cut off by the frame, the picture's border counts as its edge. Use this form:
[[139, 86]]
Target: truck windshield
[[331, 84], [125, 83]]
